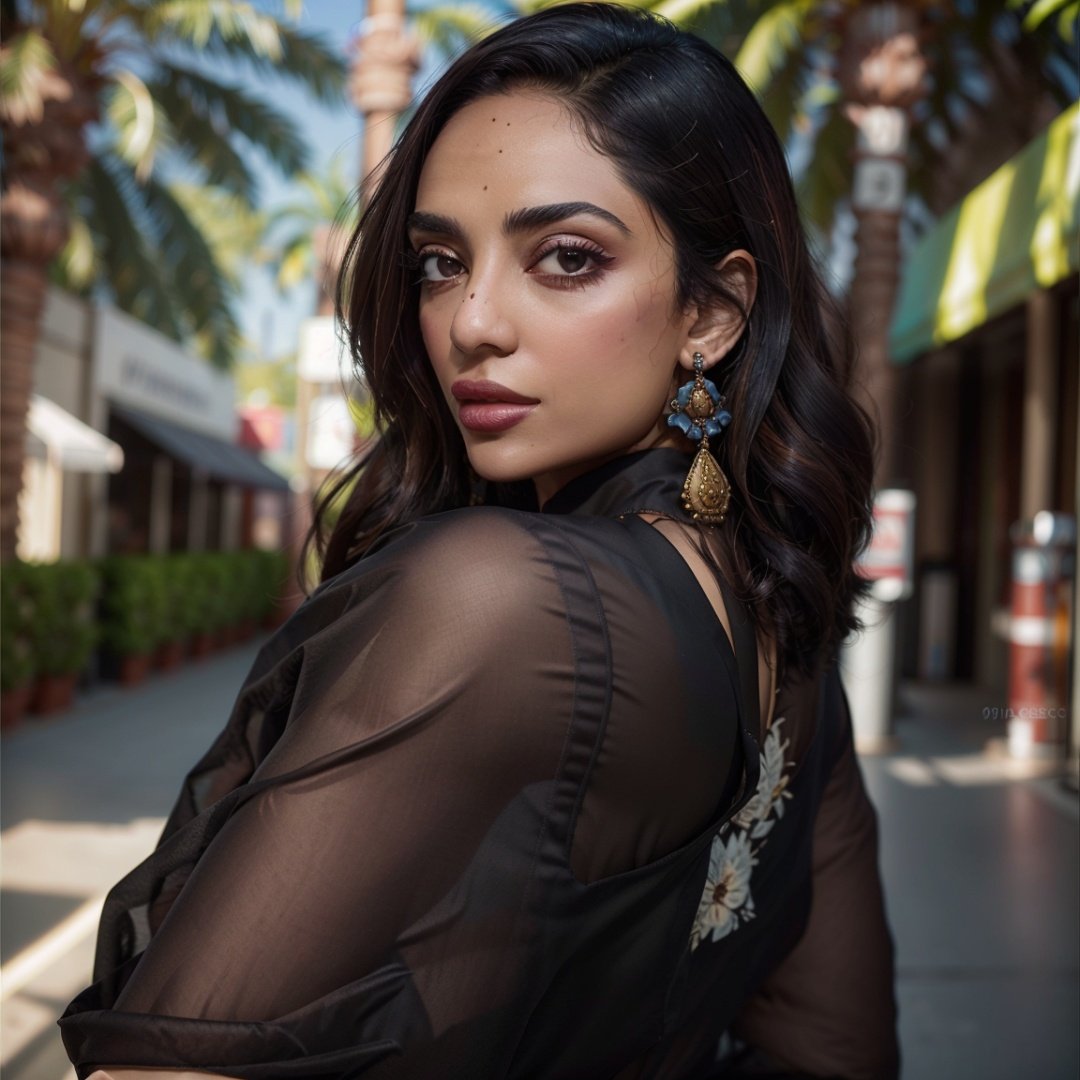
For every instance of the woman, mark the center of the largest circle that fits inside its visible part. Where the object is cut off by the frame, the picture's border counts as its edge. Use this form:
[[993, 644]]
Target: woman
[[561, 785]]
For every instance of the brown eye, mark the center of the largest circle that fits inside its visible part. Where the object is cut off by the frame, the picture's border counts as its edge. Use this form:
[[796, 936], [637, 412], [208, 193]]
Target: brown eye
[[439, 267], [566, 261], [573, 260]]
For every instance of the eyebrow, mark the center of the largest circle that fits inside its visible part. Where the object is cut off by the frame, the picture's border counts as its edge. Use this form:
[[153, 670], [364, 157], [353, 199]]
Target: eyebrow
[[517, 221]]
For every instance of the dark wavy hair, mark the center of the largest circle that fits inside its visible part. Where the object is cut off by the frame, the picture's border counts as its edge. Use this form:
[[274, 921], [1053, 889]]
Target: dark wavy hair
[[685, 133]]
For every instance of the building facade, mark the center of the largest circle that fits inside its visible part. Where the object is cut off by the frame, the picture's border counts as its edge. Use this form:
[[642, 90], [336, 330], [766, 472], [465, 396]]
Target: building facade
[[184, 483], [985, 335]]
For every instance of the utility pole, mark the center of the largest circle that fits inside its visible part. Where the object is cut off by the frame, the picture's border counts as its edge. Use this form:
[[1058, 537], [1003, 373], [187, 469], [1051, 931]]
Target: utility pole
[[380, 82]]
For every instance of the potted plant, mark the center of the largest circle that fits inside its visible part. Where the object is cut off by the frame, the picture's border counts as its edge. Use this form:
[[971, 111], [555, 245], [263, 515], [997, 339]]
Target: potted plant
[[175, 629], [202, 603], [16, 644], [247, 574], [65, 630], [132, 613]]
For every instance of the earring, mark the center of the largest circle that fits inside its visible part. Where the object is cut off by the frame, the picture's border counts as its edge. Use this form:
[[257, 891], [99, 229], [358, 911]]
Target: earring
[[697, 410]]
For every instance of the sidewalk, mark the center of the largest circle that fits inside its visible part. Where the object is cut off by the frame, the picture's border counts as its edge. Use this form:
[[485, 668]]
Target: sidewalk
[[980, 863], [84, 798]]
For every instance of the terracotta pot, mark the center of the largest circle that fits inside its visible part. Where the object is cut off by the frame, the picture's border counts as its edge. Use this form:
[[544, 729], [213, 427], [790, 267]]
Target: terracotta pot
[[169, 655], [133, 669], [51, 693], [200, 645], [13, 704]]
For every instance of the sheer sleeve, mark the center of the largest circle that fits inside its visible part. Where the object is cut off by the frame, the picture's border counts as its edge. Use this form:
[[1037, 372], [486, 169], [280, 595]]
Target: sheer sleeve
[[829, 1009], [323, 925]]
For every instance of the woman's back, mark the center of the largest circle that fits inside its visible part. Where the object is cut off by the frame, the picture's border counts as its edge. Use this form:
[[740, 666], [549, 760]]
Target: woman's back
[[488, 805]]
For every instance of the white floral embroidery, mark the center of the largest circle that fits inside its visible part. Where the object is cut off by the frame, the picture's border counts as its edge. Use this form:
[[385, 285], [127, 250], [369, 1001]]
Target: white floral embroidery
[[727, 902]]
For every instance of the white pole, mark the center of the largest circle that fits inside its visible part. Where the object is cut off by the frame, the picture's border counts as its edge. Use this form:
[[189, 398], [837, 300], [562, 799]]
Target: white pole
[[868, 672]]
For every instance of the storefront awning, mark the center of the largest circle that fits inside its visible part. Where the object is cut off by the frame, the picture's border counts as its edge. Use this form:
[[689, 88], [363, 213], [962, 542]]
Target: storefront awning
[[53, 433], [215, 457], [1019, 230]]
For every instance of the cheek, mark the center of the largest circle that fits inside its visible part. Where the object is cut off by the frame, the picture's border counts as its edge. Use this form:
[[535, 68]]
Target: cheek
[[435, 332], [623, 348]]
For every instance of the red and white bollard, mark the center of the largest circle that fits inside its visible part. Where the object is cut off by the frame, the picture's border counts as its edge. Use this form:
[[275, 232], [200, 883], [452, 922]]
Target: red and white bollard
[[1039, 634]]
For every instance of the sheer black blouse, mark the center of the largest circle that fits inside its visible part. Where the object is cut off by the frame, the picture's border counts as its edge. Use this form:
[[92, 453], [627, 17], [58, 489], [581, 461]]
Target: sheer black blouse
[[496, 802]]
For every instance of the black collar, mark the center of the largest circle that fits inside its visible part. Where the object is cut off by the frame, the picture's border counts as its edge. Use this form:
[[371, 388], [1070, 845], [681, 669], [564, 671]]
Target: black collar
[[641, 482]]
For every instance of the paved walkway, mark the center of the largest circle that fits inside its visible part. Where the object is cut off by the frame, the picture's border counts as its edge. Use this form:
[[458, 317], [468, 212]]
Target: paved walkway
[[980, 862]]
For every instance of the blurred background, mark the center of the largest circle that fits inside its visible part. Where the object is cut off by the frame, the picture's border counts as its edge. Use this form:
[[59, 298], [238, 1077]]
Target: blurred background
[[178, 180]]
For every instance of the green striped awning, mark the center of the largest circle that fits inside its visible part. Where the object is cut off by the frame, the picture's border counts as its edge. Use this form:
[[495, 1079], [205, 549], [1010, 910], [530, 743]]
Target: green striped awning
[[1017, 231]]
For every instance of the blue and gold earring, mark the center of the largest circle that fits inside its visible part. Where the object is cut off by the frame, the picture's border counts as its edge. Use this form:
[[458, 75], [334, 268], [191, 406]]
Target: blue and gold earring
[[698, 411]]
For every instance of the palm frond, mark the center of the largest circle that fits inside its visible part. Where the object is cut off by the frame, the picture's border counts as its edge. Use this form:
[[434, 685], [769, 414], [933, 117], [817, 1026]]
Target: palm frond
[[766, 50], [1066, 13], [194, 22], [305, 58], [206, 114], [77, 263], [451, 28], [296, 264], [683, 11], [233, 231], [141, 126], [323, 197], [204, 292], [129, 269], [288, 241], [827, 178], [26, 62]]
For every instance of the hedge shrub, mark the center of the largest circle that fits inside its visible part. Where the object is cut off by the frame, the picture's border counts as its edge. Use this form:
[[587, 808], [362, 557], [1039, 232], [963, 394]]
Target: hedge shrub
[[17, 659], [66, 630], [134, 603]]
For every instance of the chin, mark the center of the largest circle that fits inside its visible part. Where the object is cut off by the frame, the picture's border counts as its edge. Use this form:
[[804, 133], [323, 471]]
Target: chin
[[502, 464]]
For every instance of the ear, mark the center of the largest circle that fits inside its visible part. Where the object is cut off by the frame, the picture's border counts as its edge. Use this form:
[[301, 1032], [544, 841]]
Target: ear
[[714, 329]]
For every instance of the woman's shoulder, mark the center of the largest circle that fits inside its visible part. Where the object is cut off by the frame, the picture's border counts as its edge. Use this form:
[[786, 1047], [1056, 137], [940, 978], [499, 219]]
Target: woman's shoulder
[[491, 555]]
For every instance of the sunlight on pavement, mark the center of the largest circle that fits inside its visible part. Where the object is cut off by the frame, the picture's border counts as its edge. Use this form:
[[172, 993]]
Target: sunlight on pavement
[[46, 862], [74, 858]]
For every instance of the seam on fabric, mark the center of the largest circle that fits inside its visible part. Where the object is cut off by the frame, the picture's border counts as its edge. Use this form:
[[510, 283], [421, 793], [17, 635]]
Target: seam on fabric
[[605, 714], [535, 529]]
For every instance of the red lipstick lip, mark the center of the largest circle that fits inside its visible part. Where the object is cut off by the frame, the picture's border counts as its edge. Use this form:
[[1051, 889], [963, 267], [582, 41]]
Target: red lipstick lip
[[487, 391], [488, 417]]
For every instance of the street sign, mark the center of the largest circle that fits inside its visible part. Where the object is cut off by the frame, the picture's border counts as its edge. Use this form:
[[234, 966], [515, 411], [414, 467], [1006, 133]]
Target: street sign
[[889, 559]]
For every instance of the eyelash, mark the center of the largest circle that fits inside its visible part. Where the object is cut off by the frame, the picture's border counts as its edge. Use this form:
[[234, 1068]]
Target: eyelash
[[415, 262], [579, 281]]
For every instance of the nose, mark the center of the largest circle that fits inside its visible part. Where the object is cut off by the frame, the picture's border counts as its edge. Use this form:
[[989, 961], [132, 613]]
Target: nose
[[481, 323]]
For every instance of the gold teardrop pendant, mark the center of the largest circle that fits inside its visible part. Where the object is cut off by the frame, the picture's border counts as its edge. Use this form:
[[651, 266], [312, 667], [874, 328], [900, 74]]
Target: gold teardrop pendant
[[706, 492]]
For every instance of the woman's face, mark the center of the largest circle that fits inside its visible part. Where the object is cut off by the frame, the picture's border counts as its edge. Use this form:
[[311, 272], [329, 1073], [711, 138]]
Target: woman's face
[[547, 302]]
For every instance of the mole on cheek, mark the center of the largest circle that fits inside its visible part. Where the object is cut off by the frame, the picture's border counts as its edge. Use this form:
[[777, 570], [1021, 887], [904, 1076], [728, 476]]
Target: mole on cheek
[[472, 295], [485, 187]]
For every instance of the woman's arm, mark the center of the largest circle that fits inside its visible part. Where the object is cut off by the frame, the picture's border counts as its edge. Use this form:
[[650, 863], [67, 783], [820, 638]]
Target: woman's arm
[[367, 889], [829, 1009]]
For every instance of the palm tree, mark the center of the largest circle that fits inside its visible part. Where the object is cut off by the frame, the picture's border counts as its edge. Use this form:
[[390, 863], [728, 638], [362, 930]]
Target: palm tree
[[300, 237], [105, 106], [927, 99], [957, 86]]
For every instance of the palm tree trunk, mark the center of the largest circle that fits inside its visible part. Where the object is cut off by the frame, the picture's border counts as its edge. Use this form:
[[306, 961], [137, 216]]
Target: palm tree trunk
[[33, 228], [381, 81], [882, 72], [871, 299]]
